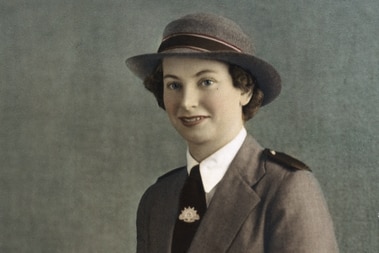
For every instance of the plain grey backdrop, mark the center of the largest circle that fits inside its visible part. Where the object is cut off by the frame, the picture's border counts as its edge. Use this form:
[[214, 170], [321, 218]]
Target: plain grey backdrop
[[81, 139]]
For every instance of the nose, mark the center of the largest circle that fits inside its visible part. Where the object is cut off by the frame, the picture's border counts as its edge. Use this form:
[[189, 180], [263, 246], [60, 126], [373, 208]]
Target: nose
[[190, 98]]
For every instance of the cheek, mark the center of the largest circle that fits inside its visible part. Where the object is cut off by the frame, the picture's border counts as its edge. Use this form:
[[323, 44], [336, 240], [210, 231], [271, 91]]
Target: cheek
[[169, 103], [227, 106], [215, 104], [227, 100]]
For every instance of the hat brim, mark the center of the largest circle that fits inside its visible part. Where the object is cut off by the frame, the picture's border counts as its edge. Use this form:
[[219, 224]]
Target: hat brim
[[267, 77]]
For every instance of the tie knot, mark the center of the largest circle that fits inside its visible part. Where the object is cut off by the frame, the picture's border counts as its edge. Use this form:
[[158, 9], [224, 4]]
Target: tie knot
[[195, 172]]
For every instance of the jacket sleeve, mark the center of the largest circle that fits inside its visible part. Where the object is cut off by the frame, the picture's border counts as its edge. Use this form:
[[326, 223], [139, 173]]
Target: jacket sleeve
[[142, 224], [299, 217]]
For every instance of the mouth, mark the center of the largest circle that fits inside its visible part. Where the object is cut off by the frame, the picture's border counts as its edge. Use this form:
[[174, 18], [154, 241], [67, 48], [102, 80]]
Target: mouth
[[194, 120]]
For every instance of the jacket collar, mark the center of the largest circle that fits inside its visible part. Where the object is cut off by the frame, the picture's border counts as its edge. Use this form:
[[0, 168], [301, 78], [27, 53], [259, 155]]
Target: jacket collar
[[223, 215]]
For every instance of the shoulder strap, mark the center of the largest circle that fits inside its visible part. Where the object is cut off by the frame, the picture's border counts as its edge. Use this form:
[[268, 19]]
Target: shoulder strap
[[285, 160]]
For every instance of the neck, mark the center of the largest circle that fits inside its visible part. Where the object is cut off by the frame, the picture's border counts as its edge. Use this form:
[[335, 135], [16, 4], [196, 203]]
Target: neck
[[200, 152]]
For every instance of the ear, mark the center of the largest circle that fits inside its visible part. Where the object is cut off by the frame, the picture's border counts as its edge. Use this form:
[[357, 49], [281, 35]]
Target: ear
[[245, 97]]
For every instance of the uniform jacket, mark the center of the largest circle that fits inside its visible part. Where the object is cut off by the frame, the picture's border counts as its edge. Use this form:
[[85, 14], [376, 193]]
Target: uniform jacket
[[259, 206]]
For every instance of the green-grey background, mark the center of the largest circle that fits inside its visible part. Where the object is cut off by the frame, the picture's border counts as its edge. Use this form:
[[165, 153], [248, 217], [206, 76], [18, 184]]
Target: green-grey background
[[80, 138]]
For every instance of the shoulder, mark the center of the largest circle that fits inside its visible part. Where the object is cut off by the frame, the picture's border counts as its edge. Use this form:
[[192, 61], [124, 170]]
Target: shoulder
[[290, 182], [295, 205], [282, 170], [285, 161], [167, 181], [173, 174], [166, 185], [288, 178]]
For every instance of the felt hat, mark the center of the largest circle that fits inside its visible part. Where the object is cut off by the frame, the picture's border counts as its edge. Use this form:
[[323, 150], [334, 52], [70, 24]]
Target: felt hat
[[208, 36]]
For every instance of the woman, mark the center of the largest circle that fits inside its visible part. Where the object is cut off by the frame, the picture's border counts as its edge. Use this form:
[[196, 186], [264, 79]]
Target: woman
[[233, 195]]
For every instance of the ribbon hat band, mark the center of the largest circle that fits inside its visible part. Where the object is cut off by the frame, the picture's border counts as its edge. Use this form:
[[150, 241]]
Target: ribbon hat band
[[197, 42]]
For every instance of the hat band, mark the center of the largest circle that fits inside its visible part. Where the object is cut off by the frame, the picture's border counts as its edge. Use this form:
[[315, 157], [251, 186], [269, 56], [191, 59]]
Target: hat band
[[197, 42]]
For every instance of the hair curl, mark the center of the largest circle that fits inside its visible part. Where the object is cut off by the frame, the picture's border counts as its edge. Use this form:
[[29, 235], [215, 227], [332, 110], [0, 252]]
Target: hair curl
[[242, 79]]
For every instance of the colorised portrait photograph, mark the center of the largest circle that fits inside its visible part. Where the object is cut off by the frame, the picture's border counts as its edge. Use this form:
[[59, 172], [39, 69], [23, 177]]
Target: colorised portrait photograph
[[189, 126]]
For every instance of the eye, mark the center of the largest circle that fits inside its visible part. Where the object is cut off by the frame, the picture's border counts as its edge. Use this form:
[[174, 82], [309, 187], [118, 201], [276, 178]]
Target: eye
[[206, 82], [173, 85]]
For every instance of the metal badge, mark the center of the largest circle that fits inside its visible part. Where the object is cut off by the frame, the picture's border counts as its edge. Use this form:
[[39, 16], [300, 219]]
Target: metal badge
[[189, 215]]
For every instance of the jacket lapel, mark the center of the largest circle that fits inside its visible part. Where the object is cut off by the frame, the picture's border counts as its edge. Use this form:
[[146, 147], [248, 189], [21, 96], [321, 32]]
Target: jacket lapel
[[233, 201]]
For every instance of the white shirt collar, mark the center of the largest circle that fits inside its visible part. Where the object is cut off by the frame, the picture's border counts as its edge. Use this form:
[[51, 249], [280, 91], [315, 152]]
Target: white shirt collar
[[214, 167]]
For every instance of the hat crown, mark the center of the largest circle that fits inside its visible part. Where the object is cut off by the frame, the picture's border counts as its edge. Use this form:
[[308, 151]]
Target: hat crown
[[213, 26]]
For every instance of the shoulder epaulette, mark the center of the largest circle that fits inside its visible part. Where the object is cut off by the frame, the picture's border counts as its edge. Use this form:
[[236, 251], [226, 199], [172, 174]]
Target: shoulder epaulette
[[285, 160], [170, 173]]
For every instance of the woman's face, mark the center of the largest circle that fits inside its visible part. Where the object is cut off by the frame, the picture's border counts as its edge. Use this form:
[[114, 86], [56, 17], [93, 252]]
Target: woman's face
[[201, 101]]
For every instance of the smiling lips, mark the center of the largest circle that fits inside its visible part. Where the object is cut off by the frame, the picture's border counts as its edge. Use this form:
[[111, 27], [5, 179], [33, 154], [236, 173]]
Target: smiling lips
[[192, 121]]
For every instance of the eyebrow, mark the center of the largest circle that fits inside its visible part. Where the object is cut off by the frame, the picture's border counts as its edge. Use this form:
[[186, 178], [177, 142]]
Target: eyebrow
[[205, 71], [202, 72], [170, 76]]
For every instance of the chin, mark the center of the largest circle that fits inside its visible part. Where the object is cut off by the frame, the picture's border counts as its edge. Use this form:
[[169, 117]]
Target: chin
[[196, 139]]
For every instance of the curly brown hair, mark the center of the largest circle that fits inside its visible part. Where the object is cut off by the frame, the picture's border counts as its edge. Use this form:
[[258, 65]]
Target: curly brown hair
[[242, 79]]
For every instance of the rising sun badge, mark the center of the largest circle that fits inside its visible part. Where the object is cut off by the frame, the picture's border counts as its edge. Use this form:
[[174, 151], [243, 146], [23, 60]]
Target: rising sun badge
[[189, 215]]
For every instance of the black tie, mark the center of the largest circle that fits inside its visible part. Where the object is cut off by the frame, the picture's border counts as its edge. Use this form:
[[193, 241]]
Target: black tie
[[192, 207]]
